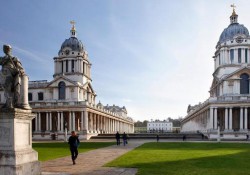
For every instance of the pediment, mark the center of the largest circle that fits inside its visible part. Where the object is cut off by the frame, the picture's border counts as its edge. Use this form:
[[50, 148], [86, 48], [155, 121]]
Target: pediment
[[56, 81], [236, 74], [89, 88]]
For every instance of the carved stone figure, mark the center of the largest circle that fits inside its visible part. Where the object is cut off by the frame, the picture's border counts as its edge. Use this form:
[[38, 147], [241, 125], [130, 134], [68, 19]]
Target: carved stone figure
[[12, 79]]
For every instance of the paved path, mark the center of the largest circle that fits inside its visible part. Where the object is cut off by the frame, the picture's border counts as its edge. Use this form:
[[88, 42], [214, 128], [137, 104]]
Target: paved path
[[91, 162]]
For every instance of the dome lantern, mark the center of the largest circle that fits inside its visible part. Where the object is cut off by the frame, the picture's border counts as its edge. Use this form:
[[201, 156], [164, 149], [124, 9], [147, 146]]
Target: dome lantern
[[234, 16], [73, 29]]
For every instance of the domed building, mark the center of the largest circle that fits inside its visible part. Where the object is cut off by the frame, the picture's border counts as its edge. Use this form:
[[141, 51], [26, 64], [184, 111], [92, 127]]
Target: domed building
[[227, 108], [68, 101]]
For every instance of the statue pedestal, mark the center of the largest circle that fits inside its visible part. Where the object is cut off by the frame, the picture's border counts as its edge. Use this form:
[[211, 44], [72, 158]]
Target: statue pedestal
[[16, 154]]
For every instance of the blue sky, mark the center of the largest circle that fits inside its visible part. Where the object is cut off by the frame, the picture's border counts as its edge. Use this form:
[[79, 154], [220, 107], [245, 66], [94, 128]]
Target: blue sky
[[152, 56]]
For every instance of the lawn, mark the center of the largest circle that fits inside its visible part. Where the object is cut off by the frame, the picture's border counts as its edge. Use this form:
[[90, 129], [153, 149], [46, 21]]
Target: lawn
[[53, 150], [187, 159]]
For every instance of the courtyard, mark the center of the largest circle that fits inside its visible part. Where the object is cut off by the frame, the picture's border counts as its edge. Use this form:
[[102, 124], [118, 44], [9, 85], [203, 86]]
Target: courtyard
[[149, 158]]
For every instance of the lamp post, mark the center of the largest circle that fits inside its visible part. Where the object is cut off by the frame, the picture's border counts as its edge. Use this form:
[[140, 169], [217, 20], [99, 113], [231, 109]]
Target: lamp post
[[218, 138]]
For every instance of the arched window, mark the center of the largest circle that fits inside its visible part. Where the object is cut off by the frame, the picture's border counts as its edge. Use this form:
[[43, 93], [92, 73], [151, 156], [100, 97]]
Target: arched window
[[232, 55], [244, 84], [61, 90]]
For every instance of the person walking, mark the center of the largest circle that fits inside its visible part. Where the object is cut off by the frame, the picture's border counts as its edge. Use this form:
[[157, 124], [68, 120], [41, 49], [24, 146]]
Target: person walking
[[184, 137], [73, 144], [157, 137], [117, 136], [124, 138]]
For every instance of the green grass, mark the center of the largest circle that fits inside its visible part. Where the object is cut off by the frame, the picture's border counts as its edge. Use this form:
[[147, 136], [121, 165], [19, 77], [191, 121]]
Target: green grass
[[53, 150], [187, 159]]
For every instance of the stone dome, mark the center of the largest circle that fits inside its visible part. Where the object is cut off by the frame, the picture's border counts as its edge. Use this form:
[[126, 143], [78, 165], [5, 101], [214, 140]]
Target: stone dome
[[73, 43], [232, 30]]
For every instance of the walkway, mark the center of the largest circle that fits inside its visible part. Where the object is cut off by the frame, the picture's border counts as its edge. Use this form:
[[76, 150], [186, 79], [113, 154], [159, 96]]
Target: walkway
[[91, 162]]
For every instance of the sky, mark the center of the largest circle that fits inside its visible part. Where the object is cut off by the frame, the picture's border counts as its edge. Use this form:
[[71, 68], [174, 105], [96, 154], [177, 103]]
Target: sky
[[152, 56]]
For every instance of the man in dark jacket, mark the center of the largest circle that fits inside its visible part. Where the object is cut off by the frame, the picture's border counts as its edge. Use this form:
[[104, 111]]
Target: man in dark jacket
[[117, 136], [73, 144]]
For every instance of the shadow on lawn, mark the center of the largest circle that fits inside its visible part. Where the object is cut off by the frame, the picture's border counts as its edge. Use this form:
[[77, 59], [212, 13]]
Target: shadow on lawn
[[191, 146]]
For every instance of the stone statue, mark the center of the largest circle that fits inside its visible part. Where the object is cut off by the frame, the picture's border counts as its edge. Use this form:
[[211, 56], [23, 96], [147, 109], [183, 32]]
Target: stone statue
[[13, 80]]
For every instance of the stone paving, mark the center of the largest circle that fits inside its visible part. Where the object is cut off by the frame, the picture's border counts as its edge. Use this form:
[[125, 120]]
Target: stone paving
[[91, 162]]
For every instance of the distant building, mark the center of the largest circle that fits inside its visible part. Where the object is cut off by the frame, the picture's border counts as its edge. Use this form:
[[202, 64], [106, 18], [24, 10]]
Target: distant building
[[159, 126]]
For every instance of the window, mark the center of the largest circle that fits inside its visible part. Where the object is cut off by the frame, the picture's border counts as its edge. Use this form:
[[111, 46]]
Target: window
[[62, 66], [61, 90], [244, 84], [67, 63], [40, 96], [219, 59], [72, 66], [83, 67], [239, 55], [30, 96], [232, 55], [246, 56]]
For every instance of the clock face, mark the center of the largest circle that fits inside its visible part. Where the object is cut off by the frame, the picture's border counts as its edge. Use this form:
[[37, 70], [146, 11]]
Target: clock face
[[239, 39], [67, 52]]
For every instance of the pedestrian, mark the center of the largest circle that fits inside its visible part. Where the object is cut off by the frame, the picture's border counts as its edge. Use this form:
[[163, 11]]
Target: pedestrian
[[247, 137], [184, 137], [202, 136], [117, 136], [73, 144], [157, 138], [124, 138]]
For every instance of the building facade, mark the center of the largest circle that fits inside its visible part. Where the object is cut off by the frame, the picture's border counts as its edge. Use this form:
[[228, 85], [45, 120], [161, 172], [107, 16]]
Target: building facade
[[68, 101], [228, 107], [159, 126]]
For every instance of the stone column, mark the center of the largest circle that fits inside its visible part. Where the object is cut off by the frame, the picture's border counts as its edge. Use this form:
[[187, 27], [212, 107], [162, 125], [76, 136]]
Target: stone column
[[104, 124], [82, 120], [241, 118], [211, 118], [74, 121], [90, 123], [39, 121], [70, 66], [23, 102], [58, 121], [50, 121], [97, 123], [226, 119], [62, 122], [47, 121], [245, 119], [70, 121], [230, 119], [215, 119], [36, 122], [85, 121], [243, 60]]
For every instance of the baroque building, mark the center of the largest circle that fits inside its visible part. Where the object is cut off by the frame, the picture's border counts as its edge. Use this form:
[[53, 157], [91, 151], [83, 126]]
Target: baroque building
[[228, 107], [68, 101]]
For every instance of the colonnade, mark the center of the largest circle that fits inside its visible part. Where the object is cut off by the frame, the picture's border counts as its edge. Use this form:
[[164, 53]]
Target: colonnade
[[208, 118], [228, 118], [87, 121]]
